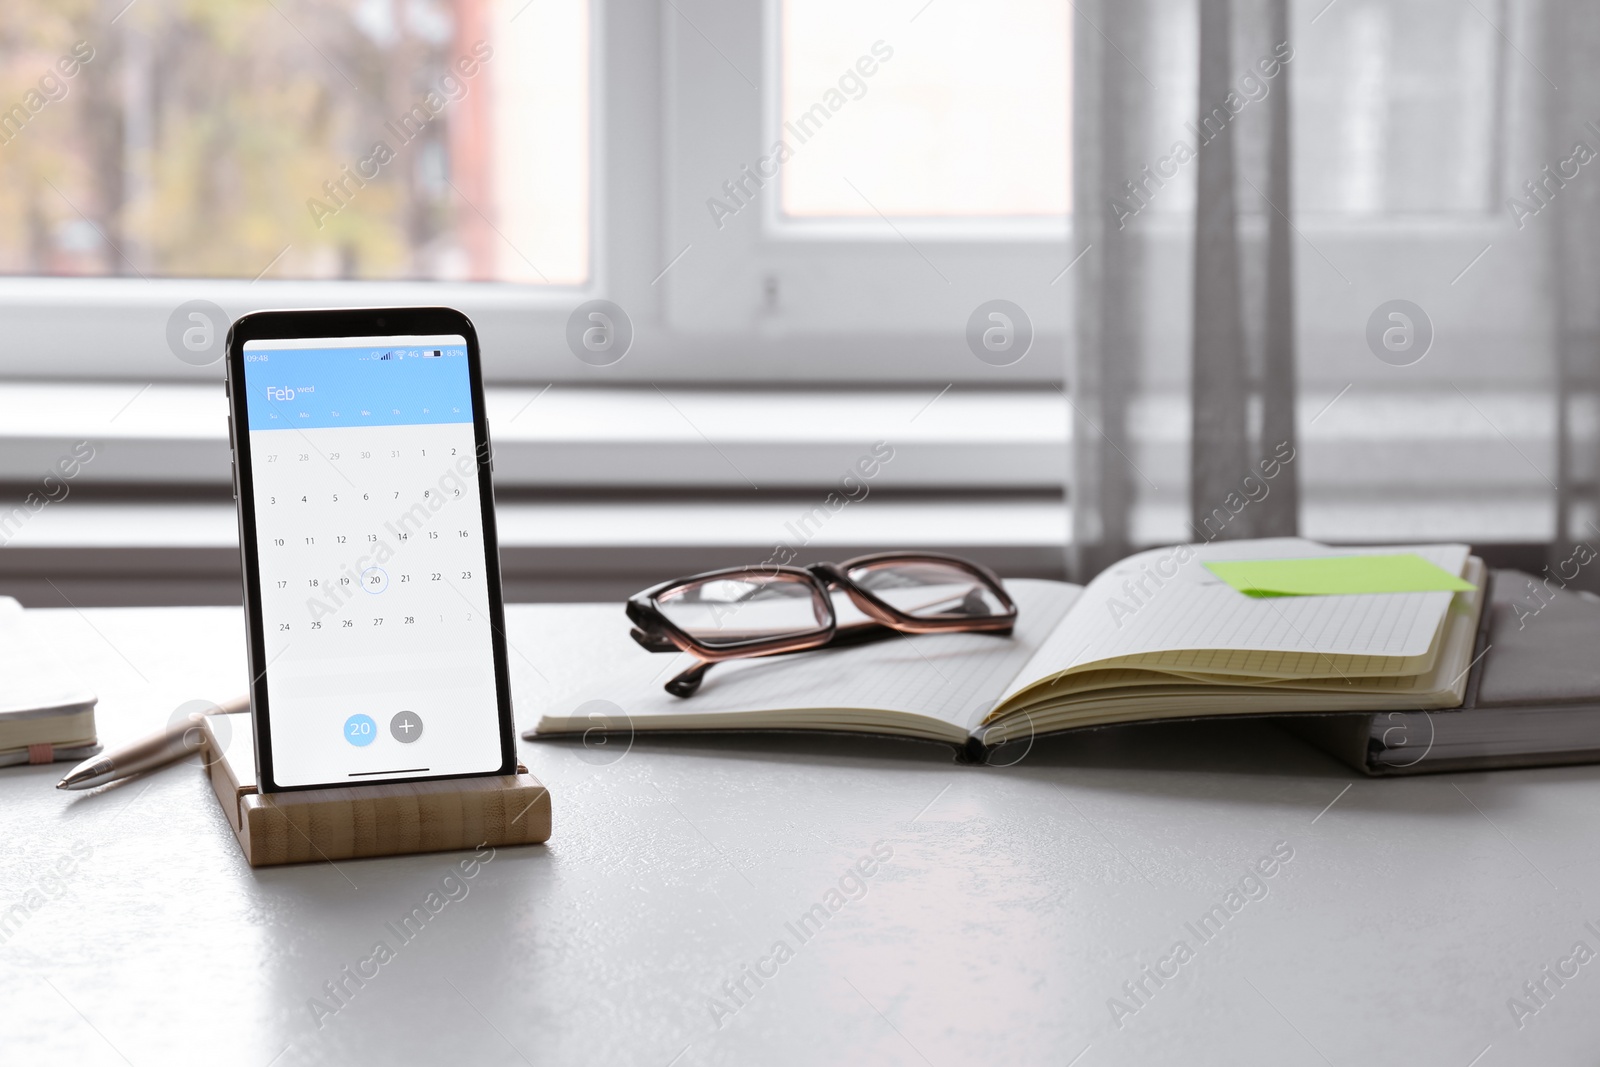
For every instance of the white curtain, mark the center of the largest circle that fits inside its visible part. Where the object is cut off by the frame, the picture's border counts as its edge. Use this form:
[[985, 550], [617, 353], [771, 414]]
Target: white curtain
[[1234, 149], [1572, 205], [1309, 301]]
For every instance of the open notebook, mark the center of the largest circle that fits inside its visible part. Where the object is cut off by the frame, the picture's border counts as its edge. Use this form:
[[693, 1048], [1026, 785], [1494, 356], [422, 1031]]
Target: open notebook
[[1128, 647]]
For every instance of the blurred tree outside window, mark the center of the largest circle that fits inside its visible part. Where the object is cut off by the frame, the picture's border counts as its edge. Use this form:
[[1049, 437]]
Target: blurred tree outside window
[[301, 139]]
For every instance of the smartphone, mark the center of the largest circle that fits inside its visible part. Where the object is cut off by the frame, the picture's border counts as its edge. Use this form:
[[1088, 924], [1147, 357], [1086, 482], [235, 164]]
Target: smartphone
[[362, 475]]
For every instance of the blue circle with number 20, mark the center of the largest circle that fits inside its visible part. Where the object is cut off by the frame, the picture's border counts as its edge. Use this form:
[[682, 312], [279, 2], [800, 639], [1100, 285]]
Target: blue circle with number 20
[[360, 730]]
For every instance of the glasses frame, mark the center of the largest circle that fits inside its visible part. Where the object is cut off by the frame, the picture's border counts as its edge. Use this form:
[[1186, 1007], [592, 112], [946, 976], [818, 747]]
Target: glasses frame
[[653, 630]]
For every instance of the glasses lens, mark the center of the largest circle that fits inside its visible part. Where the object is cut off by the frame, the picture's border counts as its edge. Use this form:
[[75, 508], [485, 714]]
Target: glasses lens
[[929, 589], [730, 609]]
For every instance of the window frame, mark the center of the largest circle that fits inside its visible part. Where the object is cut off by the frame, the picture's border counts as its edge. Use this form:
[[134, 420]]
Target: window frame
[[809, 297]]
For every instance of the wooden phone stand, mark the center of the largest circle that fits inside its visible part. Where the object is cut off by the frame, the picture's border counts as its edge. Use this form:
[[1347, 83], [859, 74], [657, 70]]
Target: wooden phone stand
[[365, 820]]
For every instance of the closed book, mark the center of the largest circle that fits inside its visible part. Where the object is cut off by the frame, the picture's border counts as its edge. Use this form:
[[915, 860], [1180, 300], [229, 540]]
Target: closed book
[[43, 716], [1532, 696]]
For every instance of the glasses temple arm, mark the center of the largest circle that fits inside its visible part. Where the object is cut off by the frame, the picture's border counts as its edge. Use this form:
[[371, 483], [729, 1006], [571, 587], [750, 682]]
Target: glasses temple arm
[[687, 683]]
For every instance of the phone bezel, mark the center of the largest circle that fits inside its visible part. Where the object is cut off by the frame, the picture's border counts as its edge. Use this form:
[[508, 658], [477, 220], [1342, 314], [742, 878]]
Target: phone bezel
[[356, 322]]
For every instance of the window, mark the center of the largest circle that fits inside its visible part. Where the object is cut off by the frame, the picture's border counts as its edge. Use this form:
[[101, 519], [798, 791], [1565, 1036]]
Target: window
[[358, 139], [615, 150]]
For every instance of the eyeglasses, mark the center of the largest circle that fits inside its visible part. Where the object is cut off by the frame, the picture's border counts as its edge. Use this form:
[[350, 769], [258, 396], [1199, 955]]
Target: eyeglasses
[[744, 612]]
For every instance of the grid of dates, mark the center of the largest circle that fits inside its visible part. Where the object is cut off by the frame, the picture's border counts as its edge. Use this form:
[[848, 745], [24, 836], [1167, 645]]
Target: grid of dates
[[368, 538]]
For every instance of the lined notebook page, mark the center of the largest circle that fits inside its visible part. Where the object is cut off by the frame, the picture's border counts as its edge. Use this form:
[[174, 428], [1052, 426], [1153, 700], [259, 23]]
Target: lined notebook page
[[1192, 609], [953, 677]]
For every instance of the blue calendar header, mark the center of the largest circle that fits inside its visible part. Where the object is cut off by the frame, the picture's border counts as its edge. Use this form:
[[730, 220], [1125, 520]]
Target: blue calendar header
[[377, 381]]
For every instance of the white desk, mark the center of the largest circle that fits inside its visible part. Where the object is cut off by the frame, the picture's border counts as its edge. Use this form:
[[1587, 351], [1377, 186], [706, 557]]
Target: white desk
[[1016, 903]]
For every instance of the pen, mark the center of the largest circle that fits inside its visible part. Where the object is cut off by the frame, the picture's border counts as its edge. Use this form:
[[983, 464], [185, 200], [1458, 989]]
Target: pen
[[149, 752]]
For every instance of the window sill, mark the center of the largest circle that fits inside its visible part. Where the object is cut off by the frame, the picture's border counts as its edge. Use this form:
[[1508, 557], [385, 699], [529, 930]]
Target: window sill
[[603, 491], [171, 434]]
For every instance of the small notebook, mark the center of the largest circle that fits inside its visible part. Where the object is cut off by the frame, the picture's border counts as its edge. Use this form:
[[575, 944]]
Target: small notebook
[[1158, 635], [42, 718], [1533, 695]]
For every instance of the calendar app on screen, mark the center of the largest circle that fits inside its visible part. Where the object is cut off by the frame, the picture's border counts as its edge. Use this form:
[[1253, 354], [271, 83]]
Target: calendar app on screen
[[374, 584]]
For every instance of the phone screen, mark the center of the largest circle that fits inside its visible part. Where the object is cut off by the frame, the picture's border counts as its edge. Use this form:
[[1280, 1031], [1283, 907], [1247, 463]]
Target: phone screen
[[373, 565]]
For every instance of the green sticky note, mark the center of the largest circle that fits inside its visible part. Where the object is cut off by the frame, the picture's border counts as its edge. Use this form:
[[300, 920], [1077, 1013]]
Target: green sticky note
[[1404, 572]]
